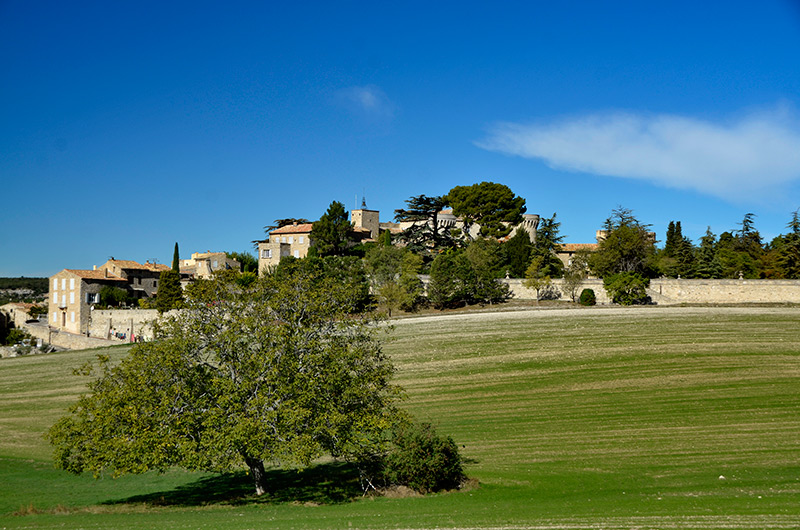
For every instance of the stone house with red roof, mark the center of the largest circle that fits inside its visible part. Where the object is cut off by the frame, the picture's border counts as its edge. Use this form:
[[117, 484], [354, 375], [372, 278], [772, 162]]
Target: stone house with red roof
[[73, 292]]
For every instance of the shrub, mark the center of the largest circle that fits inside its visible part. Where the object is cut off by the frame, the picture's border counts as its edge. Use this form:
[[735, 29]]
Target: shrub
[[627, 288], [587, 297], [423, 460]]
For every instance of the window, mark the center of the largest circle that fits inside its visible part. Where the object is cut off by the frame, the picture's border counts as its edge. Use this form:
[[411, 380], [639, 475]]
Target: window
[[72, 297], [63, 284], [266, 253], [63, 300], [283, 239], [155, 283], [55, 298], [72, 316], [55, 284], [214, 264], [55, 318], [300, 240], [72, 283], [92, 298], [291, 239], [296, 253]]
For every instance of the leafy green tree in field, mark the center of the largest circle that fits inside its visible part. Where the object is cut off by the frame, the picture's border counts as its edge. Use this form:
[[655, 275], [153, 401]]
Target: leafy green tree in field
[[346, 270], [282, 371], [493, 206], [413, 288], [331, 234], [627, 246], [536, 278], [547, 243], [392, 272], [626, 288], [425, 234], [451, 279], [517, 254], [170, 293], [485, 259]]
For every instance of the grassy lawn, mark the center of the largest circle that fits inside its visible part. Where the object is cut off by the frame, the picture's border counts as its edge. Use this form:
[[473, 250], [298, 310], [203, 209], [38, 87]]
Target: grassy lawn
[[605, 418]]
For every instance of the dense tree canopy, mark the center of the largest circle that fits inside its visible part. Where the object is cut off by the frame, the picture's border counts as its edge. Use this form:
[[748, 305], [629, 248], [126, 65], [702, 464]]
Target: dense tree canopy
[[331, 234], [426, 233], [493, 206], [626, 247], [279, 372]]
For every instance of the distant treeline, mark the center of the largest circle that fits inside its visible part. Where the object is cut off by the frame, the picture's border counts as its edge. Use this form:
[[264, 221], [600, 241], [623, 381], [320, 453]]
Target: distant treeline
[[38, 286]]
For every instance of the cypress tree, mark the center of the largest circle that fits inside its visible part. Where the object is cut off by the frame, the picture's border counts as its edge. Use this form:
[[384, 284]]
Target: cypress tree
[[176, 259]]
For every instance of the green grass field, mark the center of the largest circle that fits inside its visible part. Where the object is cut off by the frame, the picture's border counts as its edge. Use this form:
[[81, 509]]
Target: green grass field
[[643, 418]]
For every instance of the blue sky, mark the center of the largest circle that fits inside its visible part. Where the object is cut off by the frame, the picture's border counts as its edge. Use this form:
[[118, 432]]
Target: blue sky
[[127, 126]]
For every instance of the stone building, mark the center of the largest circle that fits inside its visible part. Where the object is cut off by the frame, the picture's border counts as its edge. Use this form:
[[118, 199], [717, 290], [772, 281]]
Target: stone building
[[204, 264], [73, 292], [142, 279], [295, 239]]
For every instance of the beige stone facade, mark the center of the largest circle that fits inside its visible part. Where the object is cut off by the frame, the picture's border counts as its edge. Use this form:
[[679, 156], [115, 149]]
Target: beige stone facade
[[204, 264], [142, 279], [72, 294]]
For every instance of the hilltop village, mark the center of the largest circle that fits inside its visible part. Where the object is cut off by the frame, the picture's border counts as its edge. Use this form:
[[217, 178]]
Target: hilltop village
[[476, 245]]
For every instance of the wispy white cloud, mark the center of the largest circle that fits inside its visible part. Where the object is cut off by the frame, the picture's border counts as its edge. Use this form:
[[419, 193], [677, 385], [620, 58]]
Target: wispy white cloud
[[368, 101], [752, 156]]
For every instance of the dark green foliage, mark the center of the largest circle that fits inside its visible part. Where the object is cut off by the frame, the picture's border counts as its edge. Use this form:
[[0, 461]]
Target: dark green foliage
[[450, 280], [547, 243], [113, 296], [587, 297], [425, 235], [248, 262], [176, 259], [489, 204], [423, 460], [22, 289], [276, 372], [392, 273], [626, 288], [627, 246], [347, 271], [331, 234], [787, 251], [170, 293], [460, 277], [484, 257], [706, 263], [517, 254], [15, 336]]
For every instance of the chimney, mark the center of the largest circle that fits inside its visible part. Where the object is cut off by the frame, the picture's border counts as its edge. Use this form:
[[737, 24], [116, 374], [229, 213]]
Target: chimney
[[94, 267], [105, 273]]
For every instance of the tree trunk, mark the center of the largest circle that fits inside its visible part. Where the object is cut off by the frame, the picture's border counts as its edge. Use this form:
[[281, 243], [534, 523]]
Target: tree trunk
[[259, 475]]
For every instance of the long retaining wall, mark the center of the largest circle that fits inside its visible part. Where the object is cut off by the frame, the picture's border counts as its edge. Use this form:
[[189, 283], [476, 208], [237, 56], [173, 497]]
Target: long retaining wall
[[670, 291], [107, 327]]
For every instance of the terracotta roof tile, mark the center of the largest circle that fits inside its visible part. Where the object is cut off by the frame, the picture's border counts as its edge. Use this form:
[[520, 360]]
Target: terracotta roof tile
[[293, 229], [95, 275], [134, 265]]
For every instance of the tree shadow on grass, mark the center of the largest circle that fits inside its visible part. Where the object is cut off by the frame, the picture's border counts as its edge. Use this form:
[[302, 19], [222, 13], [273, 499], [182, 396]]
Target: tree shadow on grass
[[331, 483]]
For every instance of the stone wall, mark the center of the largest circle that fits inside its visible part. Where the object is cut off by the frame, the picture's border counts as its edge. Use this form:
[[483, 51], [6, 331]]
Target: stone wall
[[106, 322], [103, 325], [669, 291], [64, 339]]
